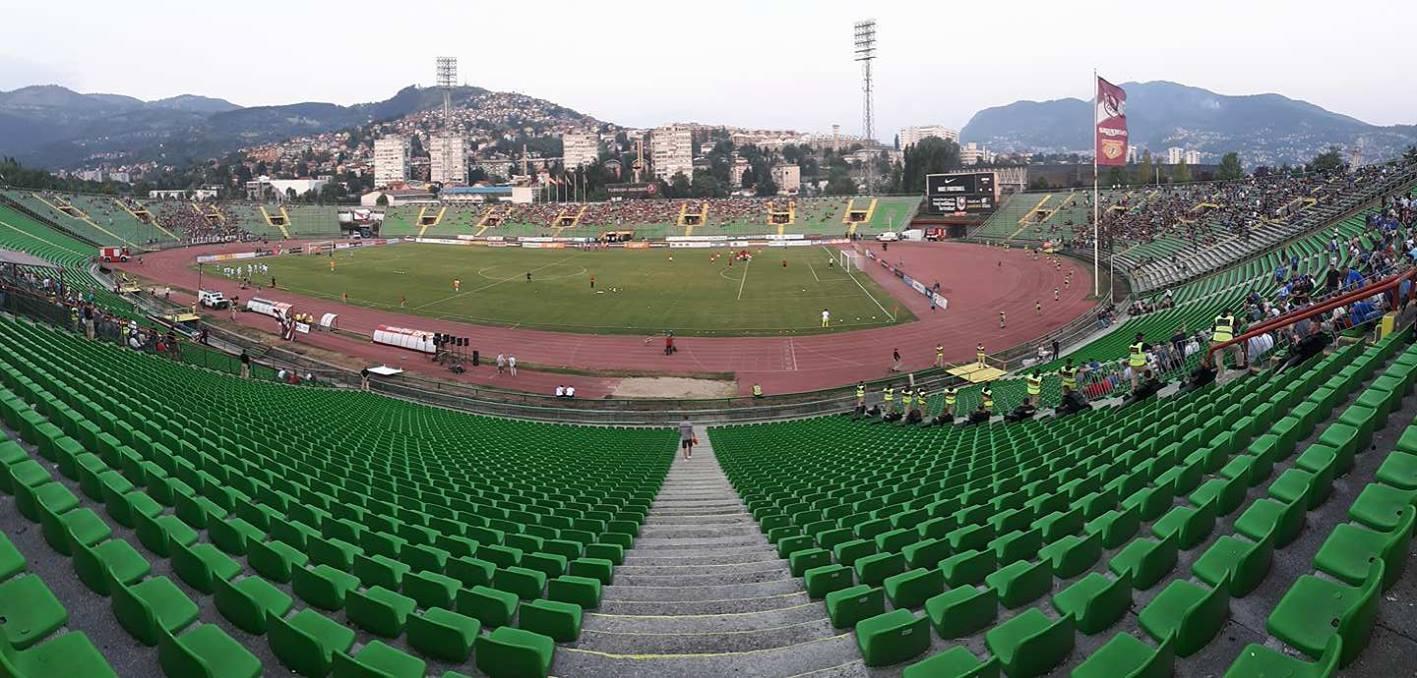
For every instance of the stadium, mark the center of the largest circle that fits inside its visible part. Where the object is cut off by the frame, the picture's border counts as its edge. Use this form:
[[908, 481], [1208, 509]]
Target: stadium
[[478, 428]]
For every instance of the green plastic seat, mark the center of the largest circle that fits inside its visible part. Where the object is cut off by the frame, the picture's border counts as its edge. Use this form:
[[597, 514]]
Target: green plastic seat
[[560, 621], [201, 564], [30, 611], [968, 568], [514, 653], [1115, 527], [275, 560], [1146, 560], [962, 611], [1227, 493], [71, 654], [956, 662], [527, 584], [892, 637], [442, 634], [430, 589], [582, 591], [323, 586], [801, 561], [1125, 655], [1030, 644], [822, 580], [377, 659], [911, 589], [1095, 602], [1258, 660], [1189, 525], [1022, 582], [380, 570], [247, 602], [1350, 550], [1268, 518], [149, 606], [595, 568], [306, 642], [1381, 507], [1073, 554], [1399, 469], [1193, 614], [113, 558], [1242, 562], [56, 498], [158, 533], [850, 605], [488, 605], [378, 610], [207, 651], [926, 553], [233, 534], [1314, 610]]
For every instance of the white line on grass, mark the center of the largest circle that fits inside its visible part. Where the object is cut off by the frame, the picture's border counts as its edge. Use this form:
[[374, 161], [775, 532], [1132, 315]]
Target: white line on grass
[[814, 270], [490, 285], [868, 296], [742, 281]]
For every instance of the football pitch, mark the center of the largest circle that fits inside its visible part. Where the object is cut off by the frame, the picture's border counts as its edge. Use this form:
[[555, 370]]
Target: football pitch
[[692, 292]]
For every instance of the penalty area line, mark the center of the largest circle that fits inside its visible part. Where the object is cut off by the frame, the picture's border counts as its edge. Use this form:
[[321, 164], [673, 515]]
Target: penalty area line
[[744, 280], [869, 296]]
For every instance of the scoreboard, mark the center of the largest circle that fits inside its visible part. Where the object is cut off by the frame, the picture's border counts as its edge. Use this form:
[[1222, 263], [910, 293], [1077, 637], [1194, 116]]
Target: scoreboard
[[960, 193]]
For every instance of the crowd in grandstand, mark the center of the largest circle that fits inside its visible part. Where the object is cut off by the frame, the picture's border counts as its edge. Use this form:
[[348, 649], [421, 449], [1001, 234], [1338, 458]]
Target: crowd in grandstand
[[721, 212], [1204, 214], [198, 223]]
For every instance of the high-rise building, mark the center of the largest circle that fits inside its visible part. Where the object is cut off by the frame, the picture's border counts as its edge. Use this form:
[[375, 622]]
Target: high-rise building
[[973, 154], [913, 135], [788, 178], [672, 151], [390, 160], [1133, 153], [447, 159], [580, 149], [1193, 157], [1175, 155]]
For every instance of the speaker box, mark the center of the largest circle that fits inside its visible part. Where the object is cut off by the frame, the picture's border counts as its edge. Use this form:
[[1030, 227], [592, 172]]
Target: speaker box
[[476, 358]]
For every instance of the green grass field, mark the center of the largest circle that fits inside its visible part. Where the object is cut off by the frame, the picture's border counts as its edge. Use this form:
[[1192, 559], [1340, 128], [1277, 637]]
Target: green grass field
[[636, 291]]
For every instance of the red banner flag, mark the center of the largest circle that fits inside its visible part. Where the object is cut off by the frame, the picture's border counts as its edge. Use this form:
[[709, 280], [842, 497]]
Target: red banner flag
[[1111, 119]]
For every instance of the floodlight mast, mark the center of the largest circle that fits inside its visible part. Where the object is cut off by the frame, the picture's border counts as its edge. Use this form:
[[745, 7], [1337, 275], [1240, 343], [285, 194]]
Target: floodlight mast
[[865, 52]]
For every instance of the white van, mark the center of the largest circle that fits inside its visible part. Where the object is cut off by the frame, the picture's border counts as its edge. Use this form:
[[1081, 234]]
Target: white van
[[212, 299], [888, 236]]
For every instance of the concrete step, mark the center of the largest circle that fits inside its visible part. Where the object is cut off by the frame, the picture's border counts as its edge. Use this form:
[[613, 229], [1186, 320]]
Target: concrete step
[[696, 607], [698, 559], [706, 641], [704, 623], [680, 570], [648, 544], [700, 592], [833, 657], [704, 577], [699, 531]]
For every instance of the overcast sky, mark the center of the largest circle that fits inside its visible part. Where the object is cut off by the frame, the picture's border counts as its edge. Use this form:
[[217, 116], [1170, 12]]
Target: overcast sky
[[763, 63]]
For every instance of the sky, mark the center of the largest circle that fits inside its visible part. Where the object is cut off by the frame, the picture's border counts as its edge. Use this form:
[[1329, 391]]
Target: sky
[[778, 64]]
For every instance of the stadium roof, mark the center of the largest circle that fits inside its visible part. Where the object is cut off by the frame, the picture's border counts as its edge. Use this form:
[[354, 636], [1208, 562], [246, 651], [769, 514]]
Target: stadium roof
[[503, 189], [21, 259]]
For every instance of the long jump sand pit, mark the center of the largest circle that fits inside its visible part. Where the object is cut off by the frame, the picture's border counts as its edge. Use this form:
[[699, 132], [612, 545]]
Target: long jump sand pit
[[674, 387]]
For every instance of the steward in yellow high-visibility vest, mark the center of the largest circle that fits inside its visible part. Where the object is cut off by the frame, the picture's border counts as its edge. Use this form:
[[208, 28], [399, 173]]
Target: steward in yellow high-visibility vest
[[1035, 388], [1069, 375], [860, 394], [1136, 357], [951, 394], [888, 396], [907, 398], [921, 402], [988, 395], [939, 355], [1221, 331], [979, 354]]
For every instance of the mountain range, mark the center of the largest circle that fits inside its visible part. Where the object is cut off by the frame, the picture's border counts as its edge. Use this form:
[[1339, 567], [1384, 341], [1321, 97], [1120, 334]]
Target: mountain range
[[1263, 128], [55, 127]]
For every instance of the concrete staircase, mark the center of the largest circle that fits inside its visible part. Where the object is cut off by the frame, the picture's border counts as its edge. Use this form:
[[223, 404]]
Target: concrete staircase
[[703, 593]]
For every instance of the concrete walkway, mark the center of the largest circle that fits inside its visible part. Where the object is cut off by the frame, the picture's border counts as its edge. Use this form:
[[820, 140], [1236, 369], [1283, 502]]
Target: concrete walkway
[[703, 593]]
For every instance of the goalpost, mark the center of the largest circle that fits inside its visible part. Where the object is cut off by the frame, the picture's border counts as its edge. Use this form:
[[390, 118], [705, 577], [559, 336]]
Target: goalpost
[[850, 260]]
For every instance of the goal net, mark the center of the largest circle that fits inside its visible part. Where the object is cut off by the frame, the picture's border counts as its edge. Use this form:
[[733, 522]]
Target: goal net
[[850, 260]]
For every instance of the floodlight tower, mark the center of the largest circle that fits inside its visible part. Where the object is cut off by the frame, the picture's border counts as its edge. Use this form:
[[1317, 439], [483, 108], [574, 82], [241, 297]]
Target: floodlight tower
[[865, 43], [447, 80]]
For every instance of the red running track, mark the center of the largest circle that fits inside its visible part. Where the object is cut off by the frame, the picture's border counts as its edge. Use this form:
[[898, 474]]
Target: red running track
[[978, 280]]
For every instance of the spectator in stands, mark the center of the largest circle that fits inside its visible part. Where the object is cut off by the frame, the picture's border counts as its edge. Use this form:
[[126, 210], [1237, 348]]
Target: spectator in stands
[[246, 367], [687, 438]]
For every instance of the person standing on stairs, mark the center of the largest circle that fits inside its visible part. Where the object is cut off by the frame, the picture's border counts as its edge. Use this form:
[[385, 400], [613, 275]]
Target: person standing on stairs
[[686, 438]]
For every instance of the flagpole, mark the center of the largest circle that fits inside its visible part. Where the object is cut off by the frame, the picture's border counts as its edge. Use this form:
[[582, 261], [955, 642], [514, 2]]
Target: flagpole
[[1096, 225]]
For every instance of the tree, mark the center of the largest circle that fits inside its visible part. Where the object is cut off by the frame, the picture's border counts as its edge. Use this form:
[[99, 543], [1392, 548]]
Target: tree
[[290, 194], [1410, 155], [1146, 171], [705, 185], [679, 186], [382, 200], [1182, 173], [1115, 177], [767, 187], [839, 183], [1327, 161], [1038, 183], [1230, 169], [932, 155]]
